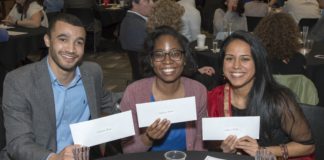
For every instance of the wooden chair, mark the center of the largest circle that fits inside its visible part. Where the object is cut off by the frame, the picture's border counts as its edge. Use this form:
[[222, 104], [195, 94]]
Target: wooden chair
[[314, 115]]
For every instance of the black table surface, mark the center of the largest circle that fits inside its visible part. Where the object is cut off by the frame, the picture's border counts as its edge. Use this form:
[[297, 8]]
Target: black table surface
[[17, 47], [191, 155], [110, 16]]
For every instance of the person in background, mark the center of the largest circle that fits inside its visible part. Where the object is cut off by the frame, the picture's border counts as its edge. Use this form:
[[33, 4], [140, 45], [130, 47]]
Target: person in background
[[167, 59], [53, 7], [42, 99], [280, 35], [27, 13], [302, 9], [4, 36], [231, 13], [133, 27], [252, 91], [256, 8], [191, 20]]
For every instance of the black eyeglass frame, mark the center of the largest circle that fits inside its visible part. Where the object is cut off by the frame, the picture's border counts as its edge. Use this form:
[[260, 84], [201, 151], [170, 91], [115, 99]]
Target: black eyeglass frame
[[172, 55]]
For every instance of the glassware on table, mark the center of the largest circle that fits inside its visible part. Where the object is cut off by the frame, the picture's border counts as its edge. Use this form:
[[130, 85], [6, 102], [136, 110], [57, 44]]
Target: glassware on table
[[201, 38], [304, 34], [307, 46], [81, 153], [216, 45], [264, 154], [175, 155]]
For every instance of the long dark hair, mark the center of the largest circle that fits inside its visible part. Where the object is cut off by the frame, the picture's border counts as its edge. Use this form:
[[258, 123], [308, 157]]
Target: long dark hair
[[267, 98], [149, 47], [22, 9]]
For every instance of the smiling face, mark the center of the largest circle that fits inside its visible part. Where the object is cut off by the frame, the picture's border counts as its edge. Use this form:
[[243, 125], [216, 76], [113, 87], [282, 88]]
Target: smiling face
[[168, 70], [66, 46], [239, 67]]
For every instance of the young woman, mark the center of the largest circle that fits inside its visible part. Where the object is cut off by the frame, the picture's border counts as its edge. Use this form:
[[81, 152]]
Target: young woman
[[27, 13], [251, 91], [231, 13], [168, 58]]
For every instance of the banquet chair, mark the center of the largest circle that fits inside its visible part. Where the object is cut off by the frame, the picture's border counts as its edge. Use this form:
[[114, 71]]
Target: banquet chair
[[302, 87], [252, 22], [87, 17], [314, 115], [310, 22]]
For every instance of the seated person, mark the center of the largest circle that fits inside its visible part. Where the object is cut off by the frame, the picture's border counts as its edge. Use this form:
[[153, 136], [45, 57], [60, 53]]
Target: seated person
[[3, 35], [302, 9], [280, 35], [256, 8], [170, 13], [167, 59], [231, 13], [252, 91], [27, 13]]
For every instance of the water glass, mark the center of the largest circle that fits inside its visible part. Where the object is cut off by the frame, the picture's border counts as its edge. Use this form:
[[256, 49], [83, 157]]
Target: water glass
[[307, 47], [175, 155], [215, 46], [121, 3], [264, 154], [201, 38], [81, 153], [304, 34]]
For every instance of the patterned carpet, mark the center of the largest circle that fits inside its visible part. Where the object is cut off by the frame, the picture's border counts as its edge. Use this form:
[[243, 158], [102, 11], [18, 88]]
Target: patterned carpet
[[115, 65]]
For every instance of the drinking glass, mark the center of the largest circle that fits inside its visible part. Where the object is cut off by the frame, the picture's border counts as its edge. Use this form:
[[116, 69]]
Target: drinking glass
[[215, 46], [307, 46], [304, 34], [81, 153], [175, 155], [264, 154]]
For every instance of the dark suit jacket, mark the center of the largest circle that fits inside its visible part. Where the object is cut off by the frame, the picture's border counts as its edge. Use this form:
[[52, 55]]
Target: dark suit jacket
[[29, 109], [133, 32]]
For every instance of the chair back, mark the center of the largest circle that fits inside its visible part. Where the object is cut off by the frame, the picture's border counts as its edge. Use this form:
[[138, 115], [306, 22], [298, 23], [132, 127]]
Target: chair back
[[310, 22], [134, 59], [252, 22], [303, 87], [314, 115]]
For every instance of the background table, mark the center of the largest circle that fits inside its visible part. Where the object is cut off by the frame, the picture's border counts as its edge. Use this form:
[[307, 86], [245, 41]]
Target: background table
[[191, 155], [17, 48]]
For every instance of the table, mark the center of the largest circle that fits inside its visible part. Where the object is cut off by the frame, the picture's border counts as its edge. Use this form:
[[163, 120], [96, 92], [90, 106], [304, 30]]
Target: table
[[17, 48], [110, 16], [191, 155], [315, 66]]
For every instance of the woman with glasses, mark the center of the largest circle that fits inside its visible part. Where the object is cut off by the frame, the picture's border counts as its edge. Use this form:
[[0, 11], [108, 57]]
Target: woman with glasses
[[167, 60]]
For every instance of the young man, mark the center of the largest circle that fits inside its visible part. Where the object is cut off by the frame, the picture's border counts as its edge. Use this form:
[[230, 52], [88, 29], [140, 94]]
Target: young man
[[41, 100]]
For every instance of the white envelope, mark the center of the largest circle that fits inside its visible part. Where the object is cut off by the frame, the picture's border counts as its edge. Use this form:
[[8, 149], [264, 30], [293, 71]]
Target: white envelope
[[101, 130], [219, 128], [212, 158], [175, 110]]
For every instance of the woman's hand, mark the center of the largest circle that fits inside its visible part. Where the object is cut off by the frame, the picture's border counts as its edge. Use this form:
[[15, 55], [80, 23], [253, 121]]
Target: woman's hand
[[206, 70], [8, 21], [228, 145], [248, 145], [156, 130]]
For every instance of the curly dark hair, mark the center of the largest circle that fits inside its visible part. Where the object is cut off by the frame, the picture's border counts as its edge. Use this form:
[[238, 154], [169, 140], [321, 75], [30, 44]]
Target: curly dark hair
[[280, 35], [165, 13]]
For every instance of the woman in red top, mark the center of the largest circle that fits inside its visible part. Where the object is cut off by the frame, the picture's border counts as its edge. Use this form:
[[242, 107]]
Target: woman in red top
[[251, 91]]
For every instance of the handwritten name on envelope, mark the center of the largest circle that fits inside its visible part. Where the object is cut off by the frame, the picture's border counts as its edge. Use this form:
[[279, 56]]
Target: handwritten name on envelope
[[101, 130], [219, 128], [175, 110]]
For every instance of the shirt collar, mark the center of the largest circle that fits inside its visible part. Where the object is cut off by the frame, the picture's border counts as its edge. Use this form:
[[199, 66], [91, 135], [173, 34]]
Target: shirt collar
[[145, 18], [54, 79]]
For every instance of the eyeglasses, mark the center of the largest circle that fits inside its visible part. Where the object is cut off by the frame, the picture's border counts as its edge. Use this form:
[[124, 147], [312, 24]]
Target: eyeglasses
[[174, 54]]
